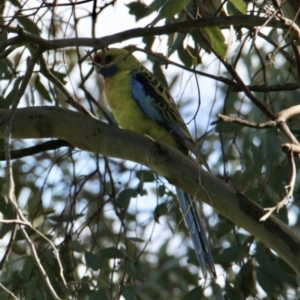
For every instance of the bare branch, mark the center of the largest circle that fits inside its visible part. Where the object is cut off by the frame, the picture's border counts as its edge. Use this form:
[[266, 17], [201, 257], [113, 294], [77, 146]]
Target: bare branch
[[290, 187], [232, 119], [9, 292], [92, 135], [29, 151], [183, 27], [283, 116]]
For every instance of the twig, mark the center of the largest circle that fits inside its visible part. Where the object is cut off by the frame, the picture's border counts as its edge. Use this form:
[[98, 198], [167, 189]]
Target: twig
[[9, 292], [9, 173], [290, 148], [283, 116], [12, 200], [289, 187], [21, 91], [70, 98], [26, 223], [232, 119], [9, 246], [38, 262], [29, 151]]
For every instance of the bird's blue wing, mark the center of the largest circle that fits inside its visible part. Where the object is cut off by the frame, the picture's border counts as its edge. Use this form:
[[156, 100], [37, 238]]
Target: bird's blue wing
[[158, 105]]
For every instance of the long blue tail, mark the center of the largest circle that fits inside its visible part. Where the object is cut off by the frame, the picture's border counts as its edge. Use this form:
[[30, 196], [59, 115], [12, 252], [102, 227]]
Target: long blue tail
[[197, 233]]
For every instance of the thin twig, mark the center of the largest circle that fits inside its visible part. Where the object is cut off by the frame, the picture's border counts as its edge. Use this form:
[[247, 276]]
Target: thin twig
[[12, 200], [232, 119], [70, 98], [289, 187], [9, 246], [29, 151], [31, 62], [26, 223], [38, 262], [283, 116], [9, 292]]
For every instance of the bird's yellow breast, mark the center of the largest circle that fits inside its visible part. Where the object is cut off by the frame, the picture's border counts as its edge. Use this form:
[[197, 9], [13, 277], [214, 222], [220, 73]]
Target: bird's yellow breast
[[127, 112]]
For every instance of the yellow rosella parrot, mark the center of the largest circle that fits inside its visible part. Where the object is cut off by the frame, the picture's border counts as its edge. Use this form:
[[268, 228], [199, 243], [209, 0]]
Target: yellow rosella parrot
[[142, 104]]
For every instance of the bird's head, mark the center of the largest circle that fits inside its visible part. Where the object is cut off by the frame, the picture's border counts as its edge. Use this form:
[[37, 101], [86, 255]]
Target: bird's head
[[109, 62]]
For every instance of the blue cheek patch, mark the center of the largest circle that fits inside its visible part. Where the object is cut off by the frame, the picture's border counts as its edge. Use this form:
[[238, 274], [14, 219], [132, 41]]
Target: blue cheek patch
[[109, 71]]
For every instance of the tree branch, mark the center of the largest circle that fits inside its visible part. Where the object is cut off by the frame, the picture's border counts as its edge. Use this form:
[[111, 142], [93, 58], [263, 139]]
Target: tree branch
[[182, 27], [92, 135], [29, 151]]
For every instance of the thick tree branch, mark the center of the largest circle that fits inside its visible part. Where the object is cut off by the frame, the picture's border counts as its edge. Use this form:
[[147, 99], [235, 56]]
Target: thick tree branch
[[92, 135], [183, 27]]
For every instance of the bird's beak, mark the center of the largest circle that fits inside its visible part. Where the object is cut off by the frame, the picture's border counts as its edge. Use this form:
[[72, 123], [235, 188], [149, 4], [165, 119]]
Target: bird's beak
[[98, 59]]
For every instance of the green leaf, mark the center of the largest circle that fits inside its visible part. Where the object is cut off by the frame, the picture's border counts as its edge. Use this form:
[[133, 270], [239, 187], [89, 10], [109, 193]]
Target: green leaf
[[124, 198], [65, 218], [92, 260], [272, 266], [76, 246], [5, 208], [42, 90], [189, 56], [231, 292], [170, 9], [240, 5], [223, 227], [148, 41], [134, 270], [217, 40], [160, 210], [161, 190], [217, 291], [159, 74], [177, 43], [194, 294], [228, 256], [15, 3], [268, 284], [139, 10], [147, 176], [8, 100], [27, 268], [28, 25], [136, 240], [128, 293], [157, 4], [30, 289], [96, 295], [112, 252], [5, 71], [246, 280], [272, 144], [8, 213], [60, 76], [15, 280]]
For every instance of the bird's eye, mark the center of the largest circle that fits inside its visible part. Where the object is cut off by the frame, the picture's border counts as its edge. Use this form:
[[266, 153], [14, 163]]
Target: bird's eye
[[99, 59], [108, 59]]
